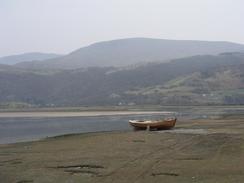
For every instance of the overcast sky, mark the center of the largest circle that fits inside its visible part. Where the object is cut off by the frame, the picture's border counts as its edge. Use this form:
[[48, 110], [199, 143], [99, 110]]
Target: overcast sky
[[61, 26]]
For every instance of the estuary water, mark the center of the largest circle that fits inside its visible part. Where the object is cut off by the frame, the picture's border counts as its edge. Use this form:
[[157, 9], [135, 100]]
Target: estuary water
[[19, 129], [28, 129]]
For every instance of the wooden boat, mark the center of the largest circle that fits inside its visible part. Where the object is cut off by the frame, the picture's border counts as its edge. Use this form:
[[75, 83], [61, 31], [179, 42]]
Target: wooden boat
[[164, 124]]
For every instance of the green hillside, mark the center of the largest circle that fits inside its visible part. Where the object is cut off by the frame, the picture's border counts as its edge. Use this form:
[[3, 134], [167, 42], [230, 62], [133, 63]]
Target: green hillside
[[197, 80]]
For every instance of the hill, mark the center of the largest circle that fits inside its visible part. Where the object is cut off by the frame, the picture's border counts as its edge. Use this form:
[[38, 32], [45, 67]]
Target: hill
[[133, 51], [34, 56], [197, 80]]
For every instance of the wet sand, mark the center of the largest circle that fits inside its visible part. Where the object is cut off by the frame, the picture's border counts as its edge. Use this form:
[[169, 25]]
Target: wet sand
[[206, 151], [75, 114]]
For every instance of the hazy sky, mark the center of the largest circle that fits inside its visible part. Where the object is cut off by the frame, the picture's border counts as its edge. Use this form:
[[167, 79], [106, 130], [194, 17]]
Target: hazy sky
[[62, 26]]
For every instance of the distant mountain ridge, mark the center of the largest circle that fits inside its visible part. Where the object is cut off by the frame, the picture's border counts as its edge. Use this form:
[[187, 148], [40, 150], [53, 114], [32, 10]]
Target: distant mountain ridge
[[131, 51], [196, 80], [92, 75], [27, 57]]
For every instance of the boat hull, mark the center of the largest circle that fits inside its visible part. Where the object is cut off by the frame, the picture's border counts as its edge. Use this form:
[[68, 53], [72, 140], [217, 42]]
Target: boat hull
[[159, 125]]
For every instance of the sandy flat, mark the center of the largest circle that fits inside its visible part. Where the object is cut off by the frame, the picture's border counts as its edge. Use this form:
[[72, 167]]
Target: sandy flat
[[75, 114]]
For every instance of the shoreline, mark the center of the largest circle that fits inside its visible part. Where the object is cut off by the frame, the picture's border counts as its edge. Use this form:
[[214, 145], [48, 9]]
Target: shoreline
[[66, 135]]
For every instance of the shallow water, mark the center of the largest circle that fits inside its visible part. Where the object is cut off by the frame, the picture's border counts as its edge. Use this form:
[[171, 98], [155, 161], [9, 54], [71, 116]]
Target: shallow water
[[27, 129]]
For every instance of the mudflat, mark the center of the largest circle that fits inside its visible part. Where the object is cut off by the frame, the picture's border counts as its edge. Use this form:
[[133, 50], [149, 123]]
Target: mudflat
[[206, 151]]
